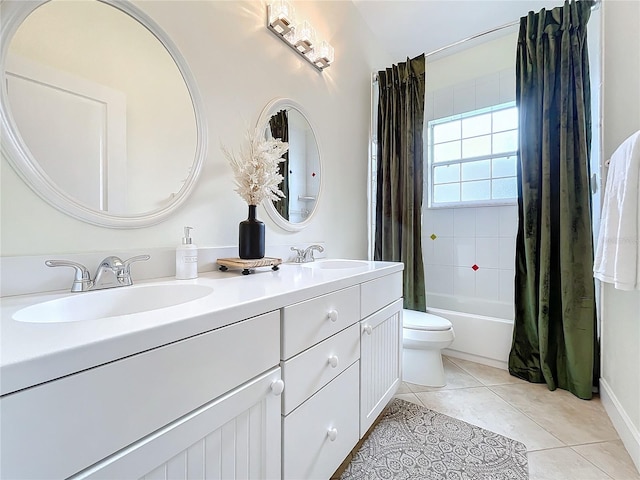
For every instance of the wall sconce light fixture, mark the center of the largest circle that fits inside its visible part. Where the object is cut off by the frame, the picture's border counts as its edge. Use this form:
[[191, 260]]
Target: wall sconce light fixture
[[300, 36]]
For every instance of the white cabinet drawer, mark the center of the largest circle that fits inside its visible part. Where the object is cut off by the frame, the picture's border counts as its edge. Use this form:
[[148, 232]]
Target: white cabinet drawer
[[379, 293], [309, 449], [306, 323], [59, 428], [309, 371]]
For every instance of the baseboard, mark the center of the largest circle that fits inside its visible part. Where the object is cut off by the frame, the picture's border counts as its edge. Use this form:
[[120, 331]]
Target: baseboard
[[628, 432], [490, 362]]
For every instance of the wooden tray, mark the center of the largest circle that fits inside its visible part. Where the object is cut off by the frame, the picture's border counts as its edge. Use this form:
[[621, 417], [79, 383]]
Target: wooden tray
[[247, 265]]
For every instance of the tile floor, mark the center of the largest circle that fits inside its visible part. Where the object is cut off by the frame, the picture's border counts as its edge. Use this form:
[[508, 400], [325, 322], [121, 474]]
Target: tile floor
[[566, 438]]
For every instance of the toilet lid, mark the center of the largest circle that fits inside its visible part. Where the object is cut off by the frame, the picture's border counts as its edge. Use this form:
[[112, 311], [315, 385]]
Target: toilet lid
[[424, 321]]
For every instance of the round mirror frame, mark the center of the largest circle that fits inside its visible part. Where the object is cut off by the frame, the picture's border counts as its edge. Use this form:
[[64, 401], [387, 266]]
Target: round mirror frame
[[272, 107], [27, 167]]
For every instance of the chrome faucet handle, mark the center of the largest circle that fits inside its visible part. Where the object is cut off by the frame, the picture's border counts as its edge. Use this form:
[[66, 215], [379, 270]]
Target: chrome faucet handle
[[82, 279], [126, 268], [308, 253], [113, 272], [299, 254], [138, 258]]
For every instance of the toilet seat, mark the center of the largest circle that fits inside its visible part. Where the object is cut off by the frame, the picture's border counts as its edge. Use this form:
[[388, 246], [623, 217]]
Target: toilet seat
[[424, 321]]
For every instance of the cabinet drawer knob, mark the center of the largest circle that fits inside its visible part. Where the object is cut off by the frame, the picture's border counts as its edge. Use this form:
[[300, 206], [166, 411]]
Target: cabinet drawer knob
[[332, 433], [367, 329], [333, 361], [277, 386], [333, 315]]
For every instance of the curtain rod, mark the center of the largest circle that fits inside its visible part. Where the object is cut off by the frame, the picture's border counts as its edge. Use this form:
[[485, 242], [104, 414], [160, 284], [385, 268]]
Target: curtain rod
[[596, 4], [473, 37]]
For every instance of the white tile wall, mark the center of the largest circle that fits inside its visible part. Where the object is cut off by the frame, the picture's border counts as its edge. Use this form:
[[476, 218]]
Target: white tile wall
[[507, 86], [508, 221], [475, 235], [506, 288], [464, 251], [428, 108], [464, 282], [464, 97], [464, 222], [482, 92], [488, 284], [439, 220], [443, 103], [427, 249], [488, 91], [439, 279], [484, 236], [506, 253], [487, 252], [487, 222], [443, 251]]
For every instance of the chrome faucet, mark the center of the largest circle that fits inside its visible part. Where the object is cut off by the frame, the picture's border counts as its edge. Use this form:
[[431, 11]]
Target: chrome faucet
[[306, 255], [112, 272]]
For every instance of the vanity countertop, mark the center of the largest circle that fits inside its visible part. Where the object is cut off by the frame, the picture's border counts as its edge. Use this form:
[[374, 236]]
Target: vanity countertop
[[33, 353]]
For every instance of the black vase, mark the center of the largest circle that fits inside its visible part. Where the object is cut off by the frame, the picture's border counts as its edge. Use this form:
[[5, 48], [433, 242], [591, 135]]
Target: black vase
[[251, 240]]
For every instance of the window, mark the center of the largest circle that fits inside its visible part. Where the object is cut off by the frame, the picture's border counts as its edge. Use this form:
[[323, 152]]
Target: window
[[472, 157]]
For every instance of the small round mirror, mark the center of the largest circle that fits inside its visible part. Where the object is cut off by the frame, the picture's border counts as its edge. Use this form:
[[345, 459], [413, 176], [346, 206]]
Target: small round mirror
[[285, 119]]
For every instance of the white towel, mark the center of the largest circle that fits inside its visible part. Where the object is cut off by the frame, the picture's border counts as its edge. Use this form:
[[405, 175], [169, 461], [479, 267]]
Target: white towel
[[617, 258]]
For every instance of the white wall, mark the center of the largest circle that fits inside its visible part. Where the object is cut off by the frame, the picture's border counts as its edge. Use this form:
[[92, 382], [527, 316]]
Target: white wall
[[239, 66], [620, 377]]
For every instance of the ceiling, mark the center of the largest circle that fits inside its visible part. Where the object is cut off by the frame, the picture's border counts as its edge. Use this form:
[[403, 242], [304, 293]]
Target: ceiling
[[410, 27]]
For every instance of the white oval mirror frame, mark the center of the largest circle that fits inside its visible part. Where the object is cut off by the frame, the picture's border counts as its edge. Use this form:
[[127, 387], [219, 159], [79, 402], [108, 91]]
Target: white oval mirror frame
[[270, 109], [23, 162]]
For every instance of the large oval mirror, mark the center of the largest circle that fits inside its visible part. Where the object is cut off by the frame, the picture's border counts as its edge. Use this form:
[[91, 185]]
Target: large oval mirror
[[285, 119], [100, 114]]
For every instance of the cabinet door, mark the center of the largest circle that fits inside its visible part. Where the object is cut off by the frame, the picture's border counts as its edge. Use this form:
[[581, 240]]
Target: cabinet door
[[380, 362], [237, 436]]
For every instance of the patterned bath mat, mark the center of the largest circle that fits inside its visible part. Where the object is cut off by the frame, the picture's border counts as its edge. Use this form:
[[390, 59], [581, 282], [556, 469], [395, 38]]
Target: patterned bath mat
[[413, 442]]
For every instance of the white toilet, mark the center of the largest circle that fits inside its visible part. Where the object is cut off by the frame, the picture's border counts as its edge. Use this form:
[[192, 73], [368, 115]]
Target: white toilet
[[423, 337]]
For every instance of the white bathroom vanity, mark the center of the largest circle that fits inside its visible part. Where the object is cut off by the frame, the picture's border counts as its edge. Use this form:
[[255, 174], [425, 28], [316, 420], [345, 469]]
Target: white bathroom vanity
[[277, 374]]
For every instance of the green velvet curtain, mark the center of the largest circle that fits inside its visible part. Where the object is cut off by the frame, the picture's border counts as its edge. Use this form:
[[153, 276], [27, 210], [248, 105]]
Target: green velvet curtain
[[279, 124], [399, 176], [554, 338]]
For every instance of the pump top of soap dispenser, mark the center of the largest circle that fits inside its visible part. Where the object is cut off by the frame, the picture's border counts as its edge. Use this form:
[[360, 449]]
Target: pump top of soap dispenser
[[187, 240]]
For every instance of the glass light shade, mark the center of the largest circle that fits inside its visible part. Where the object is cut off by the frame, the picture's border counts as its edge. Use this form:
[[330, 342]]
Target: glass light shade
[[322, 55], [302, 37], [298, 34], [281, 16]]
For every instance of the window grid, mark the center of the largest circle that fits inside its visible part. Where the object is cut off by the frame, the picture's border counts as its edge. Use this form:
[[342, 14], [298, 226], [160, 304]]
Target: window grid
[[487, 184]]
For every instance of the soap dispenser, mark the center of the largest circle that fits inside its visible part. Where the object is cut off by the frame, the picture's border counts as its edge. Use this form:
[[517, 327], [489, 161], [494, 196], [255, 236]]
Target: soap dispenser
[[187, 257]]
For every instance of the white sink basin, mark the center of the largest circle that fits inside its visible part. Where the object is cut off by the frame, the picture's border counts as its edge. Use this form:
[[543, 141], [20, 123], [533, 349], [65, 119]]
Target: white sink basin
[[336, 264], [111, 303]]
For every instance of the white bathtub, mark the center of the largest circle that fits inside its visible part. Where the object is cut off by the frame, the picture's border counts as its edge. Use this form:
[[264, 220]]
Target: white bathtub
[[479, 338]]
